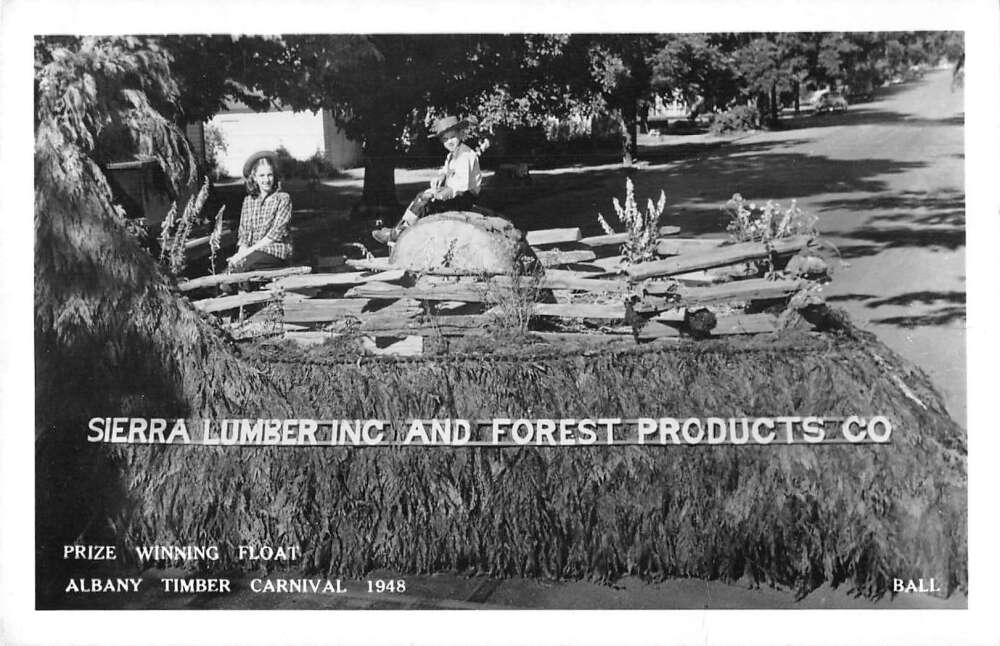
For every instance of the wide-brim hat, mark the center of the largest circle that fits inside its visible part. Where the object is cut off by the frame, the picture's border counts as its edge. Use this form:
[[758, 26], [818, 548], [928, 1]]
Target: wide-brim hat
[[269, 155], [450, 122]]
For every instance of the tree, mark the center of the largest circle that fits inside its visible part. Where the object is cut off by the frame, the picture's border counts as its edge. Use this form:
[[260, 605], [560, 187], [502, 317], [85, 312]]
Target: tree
[[213, 71], [373, 84], [111, 334], [695, 67], [621, 67]]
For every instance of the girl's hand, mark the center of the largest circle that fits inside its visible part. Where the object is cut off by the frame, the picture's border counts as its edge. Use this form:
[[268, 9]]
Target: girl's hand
[[237, 257]]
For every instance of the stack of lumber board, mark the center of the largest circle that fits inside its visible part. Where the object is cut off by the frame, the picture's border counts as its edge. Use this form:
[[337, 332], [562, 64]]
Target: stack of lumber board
[[586, 292]]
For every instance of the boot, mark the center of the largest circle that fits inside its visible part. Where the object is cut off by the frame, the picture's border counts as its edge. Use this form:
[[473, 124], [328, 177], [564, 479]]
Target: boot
[[386, 235]]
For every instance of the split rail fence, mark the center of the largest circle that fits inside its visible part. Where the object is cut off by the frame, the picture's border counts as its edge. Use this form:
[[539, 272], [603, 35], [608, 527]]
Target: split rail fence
[[586, 293]]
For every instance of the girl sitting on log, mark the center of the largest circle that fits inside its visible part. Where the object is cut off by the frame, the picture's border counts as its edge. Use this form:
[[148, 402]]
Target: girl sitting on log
[[264, 241], [456, 186]]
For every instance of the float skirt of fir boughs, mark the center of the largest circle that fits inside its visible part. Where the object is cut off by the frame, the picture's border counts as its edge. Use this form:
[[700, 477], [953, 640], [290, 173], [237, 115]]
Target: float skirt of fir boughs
[[789, 515]]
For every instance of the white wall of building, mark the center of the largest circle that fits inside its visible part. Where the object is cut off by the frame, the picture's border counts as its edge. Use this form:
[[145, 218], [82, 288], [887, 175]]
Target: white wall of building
[[341, 151], [301, 133]]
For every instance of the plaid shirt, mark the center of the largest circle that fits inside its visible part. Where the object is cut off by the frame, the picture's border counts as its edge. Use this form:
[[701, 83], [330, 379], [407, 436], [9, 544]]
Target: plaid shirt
[[267, 217]]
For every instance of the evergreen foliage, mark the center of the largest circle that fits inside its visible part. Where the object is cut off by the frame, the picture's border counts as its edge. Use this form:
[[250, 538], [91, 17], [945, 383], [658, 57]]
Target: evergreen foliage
[[111, 334], [794, 516]]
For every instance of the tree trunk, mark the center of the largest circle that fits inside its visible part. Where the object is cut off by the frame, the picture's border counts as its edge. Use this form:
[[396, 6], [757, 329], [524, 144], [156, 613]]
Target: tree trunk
[[762, 108], [630, 115], [774, 103], [378, 197], [797, 90]]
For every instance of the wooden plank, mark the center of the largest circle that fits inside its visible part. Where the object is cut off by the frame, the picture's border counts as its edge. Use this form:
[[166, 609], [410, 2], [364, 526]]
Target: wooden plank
[[391, 320], [465, 292], [308, 337], [717, 275], [621, 238], [677, 246], [567, 279], [743, 290], [597, 339], [322, 309], [429, 329], [222, 303], [578, 281], [397, 322], [700, 277], [555, 258], [313, 281], [371, 264], [259, 276], [407, 346], [673, 315], [398, 305], [726, 325], [443, 325], [383, 264], [455, 271], [745, 324], [197, 248], [204, 240], [613, 311], [330, 262], [552, 236], [731, 254], [657, 330], [609, 264]]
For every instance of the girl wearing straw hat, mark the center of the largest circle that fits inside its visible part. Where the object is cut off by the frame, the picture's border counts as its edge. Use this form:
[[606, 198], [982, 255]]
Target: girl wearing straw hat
[[264, 241], [455, 188]]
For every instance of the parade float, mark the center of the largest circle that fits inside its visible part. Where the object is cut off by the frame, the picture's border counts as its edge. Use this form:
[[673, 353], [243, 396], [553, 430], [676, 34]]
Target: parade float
[[556, 324]]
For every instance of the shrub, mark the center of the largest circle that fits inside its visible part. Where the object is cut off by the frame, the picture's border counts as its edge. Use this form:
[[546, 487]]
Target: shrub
[[569, 129], [737, 119], [215, 145], [314, 168], [643, 228], [752, 222]]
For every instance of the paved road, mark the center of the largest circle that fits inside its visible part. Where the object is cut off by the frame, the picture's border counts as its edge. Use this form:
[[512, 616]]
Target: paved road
[[887, 182], [896, 211]]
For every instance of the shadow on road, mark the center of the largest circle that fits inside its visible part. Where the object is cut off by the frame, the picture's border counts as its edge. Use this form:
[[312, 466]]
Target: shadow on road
[[936, 308], [948, 307], [907, 219], [856, 116], [697, 183]]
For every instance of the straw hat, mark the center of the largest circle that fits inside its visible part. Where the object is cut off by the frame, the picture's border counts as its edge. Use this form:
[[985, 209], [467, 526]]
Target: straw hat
[[269, 155], [450, 122]]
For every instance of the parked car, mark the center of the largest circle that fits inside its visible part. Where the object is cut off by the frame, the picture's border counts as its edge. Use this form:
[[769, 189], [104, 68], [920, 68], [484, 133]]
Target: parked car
[[831, 102], [915, 73], [861, 96]]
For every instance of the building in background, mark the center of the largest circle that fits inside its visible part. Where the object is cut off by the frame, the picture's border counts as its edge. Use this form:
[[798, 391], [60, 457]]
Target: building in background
[[302, 134]]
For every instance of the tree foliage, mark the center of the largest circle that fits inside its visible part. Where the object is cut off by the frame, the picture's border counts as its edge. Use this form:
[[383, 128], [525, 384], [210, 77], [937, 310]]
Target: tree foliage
[[714, 71], [379, 87], [384, 89]]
